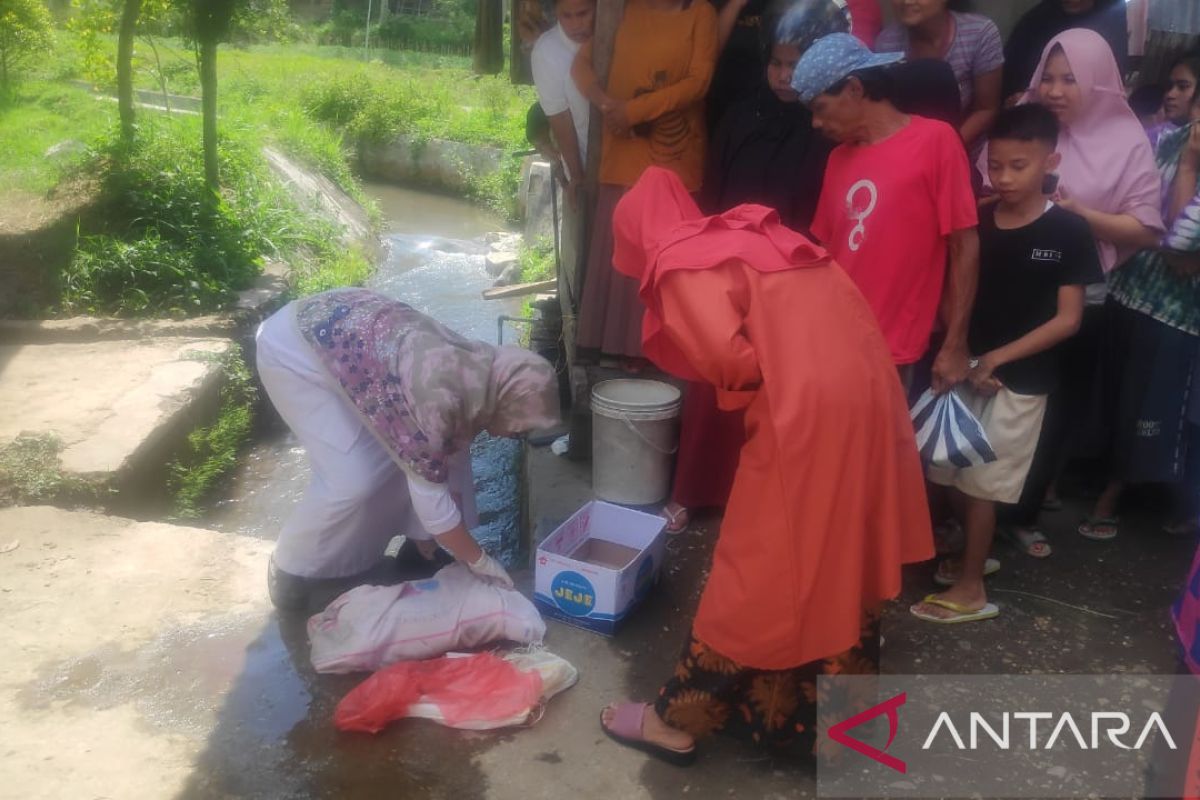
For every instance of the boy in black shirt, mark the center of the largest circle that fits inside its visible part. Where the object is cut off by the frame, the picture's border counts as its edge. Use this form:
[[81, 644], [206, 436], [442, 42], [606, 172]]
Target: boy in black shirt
[[1035, 259]]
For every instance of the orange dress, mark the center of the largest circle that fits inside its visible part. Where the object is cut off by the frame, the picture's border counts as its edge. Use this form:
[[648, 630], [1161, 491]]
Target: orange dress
[[661, 66], [829, 500]]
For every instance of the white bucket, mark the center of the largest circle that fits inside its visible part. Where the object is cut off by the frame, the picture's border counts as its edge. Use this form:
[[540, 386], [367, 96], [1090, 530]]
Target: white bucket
[[635, 435]]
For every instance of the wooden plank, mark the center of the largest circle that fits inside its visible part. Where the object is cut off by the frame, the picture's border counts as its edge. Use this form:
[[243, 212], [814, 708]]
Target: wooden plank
[[518, 290]]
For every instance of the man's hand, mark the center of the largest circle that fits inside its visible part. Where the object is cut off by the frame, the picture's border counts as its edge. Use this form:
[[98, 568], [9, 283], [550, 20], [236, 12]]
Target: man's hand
[[950, 368]]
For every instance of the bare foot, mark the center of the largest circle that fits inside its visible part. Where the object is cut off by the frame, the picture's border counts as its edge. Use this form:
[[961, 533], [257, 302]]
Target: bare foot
[[654, 730], [971, 596]]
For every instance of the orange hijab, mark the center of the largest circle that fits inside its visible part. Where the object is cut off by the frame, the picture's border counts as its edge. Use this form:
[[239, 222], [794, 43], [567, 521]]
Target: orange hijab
[[658, 228]]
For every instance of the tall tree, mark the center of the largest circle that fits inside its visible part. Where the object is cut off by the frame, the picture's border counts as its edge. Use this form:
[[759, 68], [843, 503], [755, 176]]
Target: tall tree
[[125, 33], [489, 37], [211, 21]]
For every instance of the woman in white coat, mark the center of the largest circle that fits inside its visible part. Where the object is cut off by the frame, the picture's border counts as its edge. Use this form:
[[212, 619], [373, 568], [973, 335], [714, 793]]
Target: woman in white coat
[[386, 402]]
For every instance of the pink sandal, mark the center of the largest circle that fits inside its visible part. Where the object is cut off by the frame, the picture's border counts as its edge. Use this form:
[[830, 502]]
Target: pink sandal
[[626, 730], [677, 521]]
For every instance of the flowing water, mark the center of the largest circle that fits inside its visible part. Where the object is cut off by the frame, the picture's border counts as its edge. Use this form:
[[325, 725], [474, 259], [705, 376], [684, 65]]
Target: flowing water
[[435, 263]]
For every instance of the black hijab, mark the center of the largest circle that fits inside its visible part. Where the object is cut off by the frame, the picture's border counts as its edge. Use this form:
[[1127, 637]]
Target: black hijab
[[765, 151]]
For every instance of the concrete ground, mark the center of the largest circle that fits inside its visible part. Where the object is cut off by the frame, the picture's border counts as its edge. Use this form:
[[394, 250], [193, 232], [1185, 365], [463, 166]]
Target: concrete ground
[[145, 661], [111, 403]]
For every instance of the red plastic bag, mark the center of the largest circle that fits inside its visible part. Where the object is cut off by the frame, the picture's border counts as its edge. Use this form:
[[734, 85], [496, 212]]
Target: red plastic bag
[[478, 691]]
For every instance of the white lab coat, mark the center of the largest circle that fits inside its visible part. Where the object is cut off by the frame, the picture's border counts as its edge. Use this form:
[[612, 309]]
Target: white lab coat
[[357, 498]]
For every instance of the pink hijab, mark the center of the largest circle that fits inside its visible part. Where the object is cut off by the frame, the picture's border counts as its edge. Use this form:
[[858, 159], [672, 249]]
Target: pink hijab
[[1107, 161]]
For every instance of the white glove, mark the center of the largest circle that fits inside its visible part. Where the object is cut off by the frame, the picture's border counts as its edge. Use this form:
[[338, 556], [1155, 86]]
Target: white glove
[[490, 571]]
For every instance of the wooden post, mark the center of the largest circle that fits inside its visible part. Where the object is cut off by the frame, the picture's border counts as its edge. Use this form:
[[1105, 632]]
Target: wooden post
[[608, 18], [489, 37]]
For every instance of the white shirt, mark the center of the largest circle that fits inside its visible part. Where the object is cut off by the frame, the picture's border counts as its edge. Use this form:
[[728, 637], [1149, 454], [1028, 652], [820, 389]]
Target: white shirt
[[433, 504], [551, 60]]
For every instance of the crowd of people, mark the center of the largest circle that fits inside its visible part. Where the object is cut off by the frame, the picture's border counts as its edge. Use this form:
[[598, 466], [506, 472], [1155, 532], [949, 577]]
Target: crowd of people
[[814, 217]]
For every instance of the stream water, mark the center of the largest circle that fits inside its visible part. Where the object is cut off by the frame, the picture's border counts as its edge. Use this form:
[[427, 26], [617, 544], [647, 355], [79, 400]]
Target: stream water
[[435, 263]]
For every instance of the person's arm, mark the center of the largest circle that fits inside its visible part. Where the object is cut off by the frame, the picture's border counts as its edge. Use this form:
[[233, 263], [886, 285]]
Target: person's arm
[[1183, 188], [703, 312], [584, 75], [694, 85], [563, 126], [1125, 231], [950, 365], [1061, 327], [984, 108], [727, 21]]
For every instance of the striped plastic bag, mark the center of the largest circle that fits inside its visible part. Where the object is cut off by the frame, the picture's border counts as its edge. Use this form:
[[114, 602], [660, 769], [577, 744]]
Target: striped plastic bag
[[948, 434]]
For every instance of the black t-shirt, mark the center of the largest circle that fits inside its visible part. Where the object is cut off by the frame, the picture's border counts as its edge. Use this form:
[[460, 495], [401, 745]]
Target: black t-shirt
[[1020, 272]]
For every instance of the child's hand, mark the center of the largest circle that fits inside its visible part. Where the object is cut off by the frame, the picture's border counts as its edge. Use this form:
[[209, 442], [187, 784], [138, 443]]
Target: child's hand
[[982, 378]]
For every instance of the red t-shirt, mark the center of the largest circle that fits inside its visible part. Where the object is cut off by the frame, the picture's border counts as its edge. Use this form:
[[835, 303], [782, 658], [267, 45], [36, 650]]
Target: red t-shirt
[[866, 19], [886, 213]]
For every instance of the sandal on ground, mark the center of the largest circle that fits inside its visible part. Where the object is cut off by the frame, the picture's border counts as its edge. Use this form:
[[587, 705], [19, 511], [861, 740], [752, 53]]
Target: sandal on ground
[[1030, 541], [946, 577], [626, 729], [1099, 529], [677, 521], [961, 612]]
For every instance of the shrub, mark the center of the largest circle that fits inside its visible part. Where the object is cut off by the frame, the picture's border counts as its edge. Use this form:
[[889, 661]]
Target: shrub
[[25, 30], [170, 247]]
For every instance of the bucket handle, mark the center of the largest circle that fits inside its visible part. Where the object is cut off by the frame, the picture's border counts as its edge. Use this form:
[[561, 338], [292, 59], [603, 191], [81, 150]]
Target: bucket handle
[[633, 428]]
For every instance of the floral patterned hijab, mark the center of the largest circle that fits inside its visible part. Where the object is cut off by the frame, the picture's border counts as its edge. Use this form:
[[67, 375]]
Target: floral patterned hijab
[[424, 391]]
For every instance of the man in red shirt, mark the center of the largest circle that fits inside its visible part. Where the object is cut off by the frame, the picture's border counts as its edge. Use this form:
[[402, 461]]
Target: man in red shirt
[[896, 200]]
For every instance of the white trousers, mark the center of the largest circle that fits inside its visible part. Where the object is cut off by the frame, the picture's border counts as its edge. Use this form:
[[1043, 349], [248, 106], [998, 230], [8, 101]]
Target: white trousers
[[357, 497]]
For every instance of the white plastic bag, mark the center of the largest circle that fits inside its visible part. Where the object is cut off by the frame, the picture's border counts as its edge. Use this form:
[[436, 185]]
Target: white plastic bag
[[372, 626], [948, 434]]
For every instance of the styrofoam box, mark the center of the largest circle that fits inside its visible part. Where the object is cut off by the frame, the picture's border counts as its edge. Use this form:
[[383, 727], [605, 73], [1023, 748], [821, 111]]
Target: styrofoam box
[[588, 595]]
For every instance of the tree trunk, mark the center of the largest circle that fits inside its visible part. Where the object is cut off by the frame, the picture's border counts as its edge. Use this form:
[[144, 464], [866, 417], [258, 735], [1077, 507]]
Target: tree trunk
[[489, 37], [129, 18], [208, 106]]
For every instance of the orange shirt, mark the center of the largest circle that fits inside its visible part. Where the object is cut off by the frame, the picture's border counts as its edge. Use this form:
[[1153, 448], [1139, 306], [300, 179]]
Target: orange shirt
[[662, 64]]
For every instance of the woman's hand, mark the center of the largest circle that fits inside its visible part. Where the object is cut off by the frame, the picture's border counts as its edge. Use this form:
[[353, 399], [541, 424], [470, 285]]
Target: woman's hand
[[1184, 265], [1190, 158], [490, 571], [1067, 203], [616, 117]]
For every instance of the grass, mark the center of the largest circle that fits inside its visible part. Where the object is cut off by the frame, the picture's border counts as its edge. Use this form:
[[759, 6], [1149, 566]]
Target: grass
[[31, 473], [212, 451], [157, 254], [43, 114]]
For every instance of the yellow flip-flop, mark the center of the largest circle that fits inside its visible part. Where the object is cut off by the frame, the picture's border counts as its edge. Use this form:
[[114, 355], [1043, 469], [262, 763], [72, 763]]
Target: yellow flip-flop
[[961, 612]]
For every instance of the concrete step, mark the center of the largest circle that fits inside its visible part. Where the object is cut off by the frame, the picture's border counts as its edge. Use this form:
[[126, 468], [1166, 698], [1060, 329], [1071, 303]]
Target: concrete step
[[118, 408]]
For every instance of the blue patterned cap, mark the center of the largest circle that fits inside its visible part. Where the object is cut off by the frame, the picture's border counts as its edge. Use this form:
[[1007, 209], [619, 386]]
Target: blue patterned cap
[[832, 58]]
